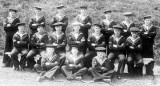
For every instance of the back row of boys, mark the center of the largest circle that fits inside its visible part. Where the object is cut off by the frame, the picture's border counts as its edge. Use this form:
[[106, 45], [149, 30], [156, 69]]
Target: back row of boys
[[122, 41]]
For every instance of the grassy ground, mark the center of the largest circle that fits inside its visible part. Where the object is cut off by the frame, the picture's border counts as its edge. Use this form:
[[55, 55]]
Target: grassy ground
[[95, 9], [8, 77]]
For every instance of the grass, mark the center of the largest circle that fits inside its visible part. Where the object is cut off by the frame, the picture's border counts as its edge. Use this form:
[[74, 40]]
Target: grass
[[95, 9]]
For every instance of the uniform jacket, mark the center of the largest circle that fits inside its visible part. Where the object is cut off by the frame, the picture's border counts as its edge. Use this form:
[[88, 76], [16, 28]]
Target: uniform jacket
[[78, 61], [87, 22], [105, 27], [100, 42], [137, 44], [13, 28], [64, 20], [33, 20], [96, 64], [148, 39], [24, 40], [60, 40], [126, 34], [54, 60], [36, 40], [120, 44], [73, 41]]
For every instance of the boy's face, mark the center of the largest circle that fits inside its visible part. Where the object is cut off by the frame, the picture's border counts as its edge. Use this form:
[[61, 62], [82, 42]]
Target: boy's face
[[101, 54], [40, 29], [58, 28], [74, 50], [21, 29], [96, 29], [117, 31], [82, 11], [127, 18], [76, 29], [50, 50], [108, 15], [12, 14], [134, 34], [37, 11], [147, 21], [60, 11]]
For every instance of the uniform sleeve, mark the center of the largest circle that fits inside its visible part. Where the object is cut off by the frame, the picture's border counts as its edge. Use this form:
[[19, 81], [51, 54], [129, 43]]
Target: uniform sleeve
[[12, 27], [153, 33], [95, 64], [122, 45], [30, 24], [111, 44], [25, 41], [33, 40], [82, 41], [70, 40], [15, 41], [65, 22], [139, 46], [80, 63], [103, 43], [43, 21], [43, 61], [64, 41]]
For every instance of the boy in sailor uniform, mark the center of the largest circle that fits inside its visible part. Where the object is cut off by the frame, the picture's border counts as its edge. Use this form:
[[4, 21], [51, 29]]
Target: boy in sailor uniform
[[134, 51], [117, 49], [58, 39], [107, 24], [127, 23], [50, 64], [20, 42], [73, 67], [148, 34], [96, 39], [60, 17], [85, 21], [101, 66], [37, 19], [38, 42], [10, 29], [77, 38]]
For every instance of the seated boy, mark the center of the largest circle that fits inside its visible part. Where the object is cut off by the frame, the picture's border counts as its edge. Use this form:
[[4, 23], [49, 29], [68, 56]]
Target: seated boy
[[117, 49], [73, 68], [50, 64], [38, 42], [20, 42], [77, 38], [134, 47], [101, 66], [58, 39], [96, 39]]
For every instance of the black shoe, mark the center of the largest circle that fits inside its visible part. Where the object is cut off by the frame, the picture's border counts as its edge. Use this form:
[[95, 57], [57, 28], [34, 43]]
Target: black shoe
[[16, 69], [119, 76]]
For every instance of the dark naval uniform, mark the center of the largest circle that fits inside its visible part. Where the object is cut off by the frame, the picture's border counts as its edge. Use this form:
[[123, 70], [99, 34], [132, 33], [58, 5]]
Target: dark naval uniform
[[59, 39], [63, 20], [147, 45], [20, 46], [134, 53], [99, 42], [87, 22], [71, 72], [126, 29], [10, 31], [117, 49], [101, 70], [38, 43], [79, 41], [40, 20]]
